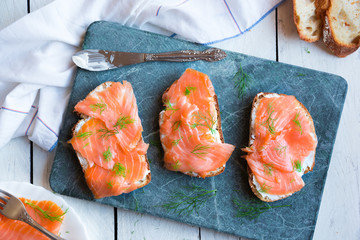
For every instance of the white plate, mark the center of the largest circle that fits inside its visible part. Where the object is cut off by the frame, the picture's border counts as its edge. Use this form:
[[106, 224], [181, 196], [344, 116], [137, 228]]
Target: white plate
[[71, 229]]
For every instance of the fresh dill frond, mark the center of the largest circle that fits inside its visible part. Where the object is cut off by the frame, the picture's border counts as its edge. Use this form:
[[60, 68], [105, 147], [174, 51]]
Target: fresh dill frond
[[176, 165], [189, 89], [176, 142], [176, 125], [269, 124], [107, 155], [300, 74], [106, 133], [297, 123], [297, 165], [264, 188], [185, 203], [281, 150], [123, 121], [101, 106], [45, 213], [268, 168], [87, 144], [169, 106], [307, 50], [84, 135], [200, 150], [119, 169], [252, 209], [242, 81], [206, 120], [109, 185]]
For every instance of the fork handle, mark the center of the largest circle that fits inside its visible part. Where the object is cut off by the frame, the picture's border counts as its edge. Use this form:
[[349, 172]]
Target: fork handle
[[210, 55], [29, 220]]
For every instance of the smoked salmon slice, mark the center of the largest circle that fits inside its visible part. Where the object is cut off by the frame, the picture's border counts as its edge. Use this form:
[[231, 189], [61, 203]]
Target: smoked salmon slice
[[108, 141], [46, 213], [282, 146], [190, 127]]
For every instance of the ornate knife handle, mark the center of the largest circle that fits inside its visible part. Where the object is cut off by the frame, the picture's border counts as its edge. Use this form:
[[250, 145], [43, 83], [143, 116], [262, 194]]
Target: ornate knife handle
[[210, 55]]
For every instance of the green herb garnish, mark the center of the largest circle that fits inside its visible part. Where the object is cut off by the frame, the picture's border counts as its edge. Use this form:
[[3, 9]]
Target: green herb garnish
[[84, 135], [297, 123], [106, 133], [264, 188], [300, 74], [119, 169], [169, 106], [109, 185], [281, 150], [107, 155], [242, 81], [186, 203], [205, 120], [297, 165], [269, 123], [268, 168], [200, 150], [252, 209], [189, 89], [101, 106], [176, 165], [176, 142], [123, 121], [306, 50], [46, 214], [176, 125]]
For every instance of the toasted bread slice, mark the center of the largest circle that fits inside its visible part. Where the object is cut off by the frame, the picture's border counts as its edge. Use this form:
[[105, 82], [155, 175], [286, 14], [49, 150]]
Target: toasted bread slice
[[308, 164], [307, 20], [85, 164], [342, 27]]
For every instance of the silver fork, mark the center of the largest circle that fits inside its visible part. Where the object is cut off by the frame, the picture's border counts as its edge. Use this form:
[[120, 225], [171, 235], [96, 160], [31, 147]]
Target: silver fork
[[11, 207]]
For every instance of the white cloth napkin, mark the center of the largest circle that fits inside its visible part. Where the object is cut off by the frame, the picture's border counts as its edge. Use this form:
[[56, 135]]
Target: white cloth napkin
[[36, 69]]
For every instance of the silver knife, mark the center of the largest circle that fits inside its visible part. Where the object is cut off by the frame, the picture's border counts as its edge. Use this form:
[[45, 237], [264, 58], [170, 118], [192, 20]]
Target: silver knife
[[100, 60]]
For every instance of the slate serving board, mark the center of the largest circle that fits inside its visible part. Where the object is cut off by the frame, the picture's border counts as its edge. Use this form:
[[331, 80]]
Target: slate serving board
[[323, 94]]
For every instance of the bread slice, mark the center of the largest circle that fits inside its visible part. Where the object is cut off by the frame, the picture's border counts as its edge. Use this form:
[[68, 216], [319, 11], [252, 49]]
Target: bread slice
[[218, 135], [342, 27], [85, 163], [308, 164], [307, 20]]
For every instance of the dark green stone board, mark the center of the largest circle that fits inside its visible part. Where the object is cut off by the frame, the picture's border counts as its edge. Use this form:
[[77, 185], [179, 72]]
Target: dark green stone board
[[323, 95]]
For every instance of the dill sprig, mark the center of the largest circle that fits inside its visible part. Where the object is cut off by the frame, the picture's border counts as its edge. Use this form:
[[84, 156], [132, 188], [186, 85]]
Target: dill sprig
[[269, 123], [268, 168], [252, 209], [119, 169], [281, 150], [84, 135], [242, 81], [176, 165], [297, 165], [200, 150], [106, 133], [264, 188], [46, 214], [123, 121], [205, 120], [169, 106], [189, 89], [101, 106], [107, 155], [176, 125], [297, 123], [109, 185], [176, 142], [186, 203]]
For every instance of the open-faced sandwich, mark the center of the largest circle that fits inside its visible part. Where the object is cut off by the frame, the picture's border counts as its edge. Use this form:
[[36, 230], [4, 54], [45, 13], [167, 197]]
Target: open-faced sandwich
[[190, 127], [281, 147], [108, 141], [46, 213]]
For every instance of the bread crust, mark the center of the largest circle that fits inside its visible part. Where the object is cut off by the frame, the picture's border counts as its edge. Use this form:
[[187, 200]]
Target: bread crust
[[218, 128], [251, 178]]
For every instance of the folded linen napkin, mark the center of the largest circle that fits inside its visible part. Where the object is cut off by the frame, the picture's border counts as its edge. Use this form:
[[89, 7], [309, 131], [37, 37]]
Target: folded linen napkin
[[36, 70]]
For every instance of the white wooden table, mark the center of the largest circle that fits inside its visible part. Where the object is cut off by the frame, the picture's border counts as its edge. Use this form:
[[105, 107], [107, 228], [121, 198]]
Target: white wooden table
[[274, 38]]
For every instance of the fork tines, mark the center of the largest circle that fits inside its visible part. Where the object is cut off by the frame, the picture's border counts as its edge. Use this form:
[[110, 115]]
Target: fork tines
[[4, 200]]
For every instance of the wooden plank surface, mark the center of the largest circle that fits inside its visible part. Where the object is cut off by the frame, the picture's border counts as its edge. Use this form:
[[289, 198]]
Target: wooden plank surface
[[339, 216]]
